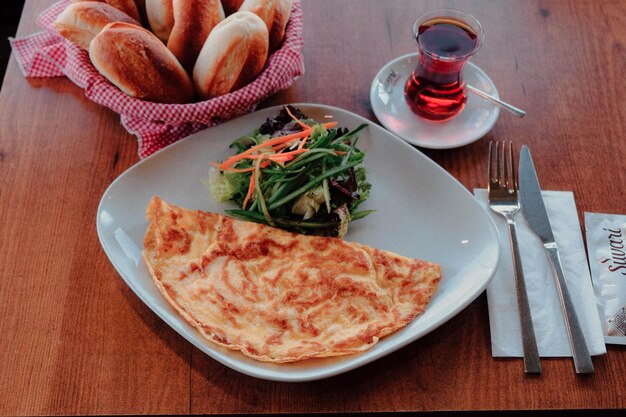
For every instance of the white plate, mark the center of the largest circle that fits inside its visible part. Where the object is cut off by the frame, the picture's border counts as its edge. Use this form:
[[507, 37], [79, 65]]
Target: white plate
[[422, 212], [390, 107]]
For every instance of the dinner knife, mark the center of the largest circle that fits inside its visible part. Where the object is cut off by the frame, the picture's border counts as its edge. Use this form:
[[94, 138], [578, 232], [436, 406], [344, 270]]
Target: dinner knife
[[535, 213]]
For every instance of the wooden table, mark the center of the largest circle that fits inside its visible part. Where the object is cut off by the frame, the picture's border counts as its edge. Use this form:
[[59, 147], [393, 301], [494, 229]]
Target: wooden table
[[76, 340]]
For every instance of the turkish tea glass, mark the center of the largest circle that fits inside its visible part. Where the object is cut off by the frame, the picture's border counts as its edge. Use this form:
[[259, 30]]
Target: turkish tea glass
[[446, 39]]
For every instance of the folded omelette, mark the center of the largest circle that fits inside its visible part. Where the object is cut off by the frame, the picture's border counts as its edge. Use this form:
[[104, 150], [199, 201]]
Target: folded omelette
[[277, 296]]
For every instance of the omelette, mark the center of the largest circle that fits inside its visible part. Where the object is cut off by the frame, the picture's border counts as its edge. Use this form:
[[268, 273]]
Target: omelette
[[277, 296]]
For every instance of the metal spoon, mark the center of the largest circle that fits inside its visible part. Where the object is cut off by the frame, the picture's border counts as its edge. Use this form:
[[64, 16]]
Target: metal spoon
[[514, 110]]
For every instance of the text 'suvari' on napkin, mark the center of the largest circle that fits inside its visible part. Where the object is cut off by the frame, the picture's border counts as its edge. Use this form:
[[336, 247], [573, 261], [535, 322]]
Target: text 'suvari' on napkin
[[552, 341], [606, 244]]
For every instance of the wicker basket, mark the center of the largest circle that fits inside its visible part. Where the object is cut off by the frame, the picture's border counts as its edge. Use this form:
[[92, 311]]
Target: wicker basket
[[157, 125]]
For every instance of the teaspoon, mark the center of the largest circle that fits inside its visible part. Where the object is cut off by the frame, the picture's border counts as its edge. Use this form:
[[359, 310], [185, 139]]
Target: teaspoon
[[514, 110]]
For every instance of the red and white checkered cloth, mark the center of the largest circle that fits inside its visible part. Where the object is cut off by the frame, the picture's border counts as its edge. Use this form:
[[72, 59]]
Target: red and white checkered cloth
[[156, 125]]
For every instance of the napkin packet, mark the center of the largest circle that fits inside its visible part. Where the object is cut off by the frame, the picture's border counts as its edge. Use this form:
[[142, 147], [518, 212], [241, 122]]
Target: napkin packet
[[606, 246]]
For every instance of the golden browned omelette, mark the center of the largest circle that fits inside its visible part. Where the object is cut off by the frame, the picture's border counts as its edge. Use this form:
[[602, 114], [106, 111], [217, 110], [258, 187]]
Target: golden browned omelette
[[278, 296]]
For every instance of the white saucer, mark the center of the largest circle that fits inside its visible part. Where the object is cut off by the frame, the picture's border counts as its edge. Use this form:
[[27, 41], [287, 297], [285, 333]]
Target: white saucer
[[391, 109]]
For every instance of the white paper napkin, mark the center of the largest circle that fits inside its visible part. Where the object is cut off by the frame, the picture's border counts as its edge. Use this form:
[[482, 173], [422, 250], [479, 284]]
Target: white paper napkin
[[544, 303]]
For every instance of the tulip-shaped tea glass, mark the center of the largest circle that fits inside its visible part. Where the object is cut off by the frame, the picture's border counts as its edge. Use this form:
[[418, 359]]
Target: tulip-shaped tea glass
[[446, 39]]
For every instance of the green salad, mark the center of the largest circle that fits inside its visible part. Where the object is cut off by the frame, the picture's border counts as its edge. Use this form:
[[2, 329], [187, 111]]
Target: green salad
[[295, 173]]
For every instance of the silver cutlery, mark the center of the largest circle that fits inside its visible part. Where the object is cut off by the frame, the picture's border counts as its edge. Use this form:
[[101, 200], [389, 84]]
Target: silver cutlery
[[535, 213], [509, 107], [503, 199]]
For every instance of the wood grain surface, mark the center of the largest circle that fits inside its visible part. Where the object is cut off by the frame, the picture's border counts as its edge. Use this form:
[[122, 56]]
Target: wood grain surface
[[76, 340]]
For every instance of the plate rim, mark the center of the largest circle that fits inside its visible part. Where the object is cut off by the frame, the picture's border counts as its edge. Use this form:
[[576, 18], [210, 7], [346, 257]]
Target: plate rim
[[275, 375]]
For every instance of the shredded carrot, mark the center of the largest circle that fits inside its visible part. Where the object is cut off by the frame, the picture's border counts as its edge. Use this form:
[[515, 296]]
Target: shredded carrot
[[232, 169], [249, 169], [302, 142], [257, 156], [248, 153], [282, 146], [282, 159], [245, 154], [302, 124], [249, 193]]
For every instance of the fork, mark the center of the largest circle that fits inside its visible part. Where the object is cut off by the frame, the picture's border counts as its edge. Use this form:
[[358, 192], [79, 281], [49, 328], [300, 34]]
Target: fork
[[503, 199]]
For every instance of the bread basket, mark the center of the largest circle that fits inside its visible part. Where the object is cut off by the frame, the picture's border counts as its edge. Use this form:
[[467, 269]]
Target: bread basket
[[156, 125]]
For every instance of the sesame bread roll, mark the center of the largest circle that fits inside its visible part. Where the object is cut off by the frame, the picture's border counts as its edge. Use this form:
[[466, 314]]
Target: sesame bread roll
[[275, 14], [140, 65], [80, 22], [233, 55], [193, 20], [127, 6], [160, 15]]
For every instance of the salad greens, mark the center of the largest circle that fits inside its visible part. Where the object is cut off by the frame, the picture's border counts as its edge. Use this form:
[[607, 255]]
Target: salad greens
[[296, 174]]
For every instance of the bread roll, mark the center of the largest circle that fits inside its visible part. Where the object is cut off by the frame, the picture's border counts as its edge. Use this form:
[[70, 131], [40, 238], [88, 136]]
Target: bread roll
[[275, 14], [193, 20], [160, 18], [231, 6], [138, 63], [80, 22], [127, 6], [233, 55]]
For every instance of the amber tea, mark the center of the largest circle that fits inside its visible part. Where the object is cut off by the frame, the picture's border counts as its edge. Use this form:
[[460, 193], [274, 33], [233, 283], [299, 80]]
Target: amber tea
[[435, 89]]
